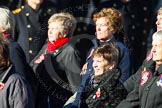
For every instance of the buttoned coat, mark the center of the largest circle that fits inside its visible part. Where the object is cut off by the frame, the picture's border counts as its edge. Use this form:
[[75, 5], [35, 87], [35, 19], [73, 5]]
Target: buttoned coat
[[31, 28]]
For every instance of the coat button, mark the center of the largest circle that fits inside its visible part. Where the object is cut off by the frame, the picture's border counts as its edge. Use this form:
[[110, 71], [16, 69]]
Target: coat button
[[30, 39], [28, 26], [49, 10], [27, 14], [30, 51]]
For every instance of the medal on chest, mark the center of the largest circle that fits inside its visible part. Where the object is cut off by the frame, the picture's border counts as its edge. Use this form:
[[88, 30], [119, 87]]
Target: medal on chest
[[159, 83], [145, 76]]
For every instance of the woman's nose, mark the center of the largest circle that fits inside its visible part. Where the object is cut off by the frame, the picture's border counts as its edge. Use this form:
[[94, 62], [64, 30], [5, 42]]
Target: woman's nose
[[94, 65], [157, 22], [98, 28], [153, 50], [49, 31]]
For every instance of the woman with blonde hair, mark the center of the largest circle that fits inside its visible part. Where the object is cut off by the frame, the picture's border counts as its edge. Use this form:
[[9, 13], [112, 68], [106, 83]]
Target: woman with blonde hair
[[59, 62]]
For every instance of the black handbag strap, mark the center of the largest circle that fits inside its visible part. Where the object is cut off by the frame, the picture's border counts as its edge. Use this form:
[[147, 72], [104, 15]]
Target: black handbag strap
[[54, 76]]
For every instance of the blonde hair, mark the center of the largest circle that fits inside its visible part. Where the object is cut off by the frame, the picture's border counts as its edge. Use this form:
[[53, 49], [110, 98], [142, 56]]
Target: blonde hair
[[66, 20]]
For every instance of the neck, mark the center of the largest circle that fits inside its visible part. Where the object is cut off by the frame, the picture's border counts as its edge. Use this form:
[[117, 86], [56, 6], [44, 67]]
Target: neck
[[158, 63], [34, 6], [108, 39]]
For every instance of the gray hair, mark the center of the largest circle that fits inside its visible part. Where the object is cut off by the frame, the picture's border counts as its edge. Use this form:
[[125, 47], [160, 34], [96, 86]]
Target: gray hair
[[68, 22], [7, 21]]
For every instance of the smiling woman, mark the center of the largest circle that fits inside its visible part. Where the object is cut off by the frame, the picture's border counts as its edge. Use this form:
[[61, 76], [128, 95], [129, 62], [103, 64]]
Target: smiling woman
[[104, 88], [107, 90], [105, 58]]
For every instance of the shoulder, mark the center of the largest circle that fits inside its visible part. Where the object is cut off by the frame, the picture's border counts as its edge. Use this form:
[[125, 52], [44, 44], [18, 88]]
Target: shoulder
[[122, 49], [120, 45], [16, 78]]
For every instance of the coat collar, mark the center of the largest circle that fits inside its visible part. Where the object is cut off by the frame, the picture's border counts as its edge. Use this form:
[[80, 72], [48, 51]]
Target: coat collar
[[151, 65], [97, 43], [7, 73]]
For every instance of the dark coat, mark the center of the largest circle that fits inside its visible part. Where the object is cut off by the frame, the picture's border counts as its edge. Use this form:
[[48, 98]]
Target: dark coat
[[124, 59], [147, 90], [19, 61], [16, 92], [17, 57], [112, 91], [31, 28], [67, 62], [124, 66]]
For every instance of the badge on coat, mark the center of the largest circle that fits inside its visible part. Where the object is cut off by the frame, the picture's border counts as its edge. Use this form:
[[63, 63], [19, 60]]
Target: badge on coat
[[159, 83], [145, 77]]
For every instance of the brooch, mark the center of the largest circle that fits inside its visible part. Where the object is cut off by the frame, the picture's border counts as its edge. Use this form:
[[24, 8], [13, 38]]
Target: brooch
[[145, 77]]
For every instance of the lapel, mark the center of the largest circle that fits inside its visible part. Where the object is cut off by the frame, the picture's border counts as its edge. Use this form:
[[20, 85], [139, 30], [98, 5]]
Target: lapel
[[58, 51]]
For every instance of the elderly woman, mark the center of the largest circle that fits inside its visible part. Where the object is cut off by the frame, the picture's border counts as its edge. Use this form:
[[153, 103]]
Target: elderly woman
[[58, 64]]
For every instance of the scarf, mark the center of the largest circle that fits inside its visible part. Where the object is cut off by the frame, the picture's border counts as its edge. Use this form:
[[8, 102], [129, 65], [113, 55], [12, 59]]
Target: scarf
[[53, 46]]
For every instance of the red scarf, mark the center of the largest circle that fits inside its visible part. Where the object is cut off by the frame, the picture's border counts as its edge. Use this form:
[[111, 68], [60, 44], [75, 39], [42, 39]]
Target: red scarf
[[53, 46]]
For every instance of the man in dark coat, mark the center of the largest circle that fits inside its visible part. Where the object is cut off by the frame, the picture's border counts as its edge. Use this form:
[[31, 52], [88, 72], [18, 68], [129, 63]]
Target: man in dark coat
[[31, 26]]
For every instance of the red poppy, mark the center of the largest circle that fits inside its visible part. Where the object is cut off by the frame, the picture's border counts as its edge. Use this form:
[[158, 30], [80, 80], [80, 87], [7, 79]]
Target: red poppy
[[98, 93], [1, 85]]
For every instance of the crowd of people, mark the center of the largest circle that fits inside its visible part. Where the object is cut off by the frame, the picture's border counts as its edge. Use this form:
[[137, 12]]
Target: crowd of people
[[43, 65]]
